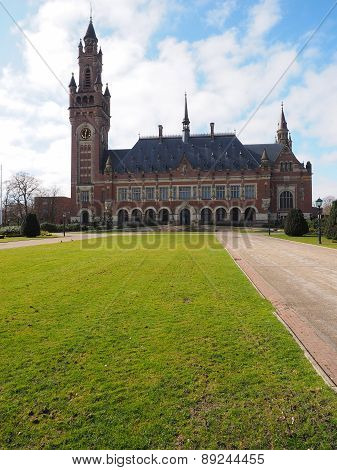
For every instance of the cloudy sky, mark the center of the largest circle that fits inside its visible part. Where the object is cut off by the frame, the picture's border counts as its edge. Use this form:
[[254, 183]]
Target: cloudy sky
[[237, 60]]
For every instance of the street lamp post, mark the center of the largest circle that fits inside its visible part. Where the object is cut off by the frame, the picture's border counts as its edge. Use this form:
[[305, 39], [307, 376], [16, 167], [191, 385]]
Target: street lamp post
[[319, 203], [64, 224], [269, 220]]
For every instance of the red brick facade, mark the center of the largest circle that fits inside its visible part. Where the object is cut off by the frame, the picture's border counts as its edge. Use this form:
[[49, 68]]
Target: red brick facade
[[180, 179]]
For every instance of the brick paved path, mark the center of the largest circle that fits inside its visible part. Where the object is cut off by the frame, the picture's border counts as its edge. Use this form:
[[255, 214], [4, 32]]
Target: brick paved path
[[49, 241], [301, 282]]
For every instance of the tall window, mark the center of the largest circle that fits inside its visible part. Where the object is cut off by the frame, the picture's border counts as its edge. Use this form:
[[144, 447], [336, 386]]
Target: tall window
[[235, 191], [174, 192], [85, 196], [149, 193], [184, 192], [221, 192], [250, 191], [206, 192], [87, 78], [136, 194], [164, 193], [122, 194], [286, 200], [286, 166]]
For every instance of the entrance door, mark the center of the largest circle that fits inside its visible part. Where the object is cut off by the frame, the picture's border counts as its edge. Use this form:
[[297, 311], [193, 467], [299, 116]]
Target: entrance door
[[85, 218]]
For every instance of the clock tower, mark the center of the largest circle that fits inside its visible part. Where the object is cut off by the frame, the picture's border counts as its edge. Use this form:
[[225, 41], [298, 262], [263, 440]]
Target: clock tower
[[89, 110]]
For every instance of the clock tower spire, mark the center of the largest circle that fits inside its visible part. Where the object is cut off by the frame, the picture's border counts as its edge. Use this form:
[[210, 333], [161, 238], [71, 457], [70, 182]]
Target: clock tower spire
[[89, 112]]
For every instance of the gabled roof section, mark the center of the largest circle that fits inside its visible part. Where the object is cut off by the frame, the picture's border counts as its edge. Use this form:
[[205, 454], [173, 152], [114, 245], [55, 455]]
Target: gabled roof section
[[223, 152], [273, 151]]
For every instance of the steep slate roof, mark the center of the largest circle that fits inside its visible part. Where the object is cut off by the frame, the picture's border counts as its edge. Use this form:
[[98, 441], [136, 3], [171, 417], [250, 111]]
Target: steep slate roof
[[90, 34], [224, 152], [273, 150]]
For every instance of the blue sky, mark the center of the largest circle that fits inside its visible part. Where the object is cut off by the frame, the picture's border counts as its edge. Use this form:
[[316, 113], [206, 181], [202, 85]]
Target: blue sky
[[227, 54]]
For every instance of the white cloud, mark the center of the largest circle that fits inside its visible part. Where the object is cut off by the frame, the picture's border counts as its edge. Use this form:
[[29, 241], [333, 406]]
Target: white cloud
[[263, 17], [226, 76], [218, 15]]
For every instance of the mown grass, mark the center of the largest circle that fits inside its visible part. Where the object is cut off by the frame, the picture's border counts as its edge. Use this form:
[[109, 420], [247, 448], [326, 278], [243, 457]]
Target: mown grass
[[155, 346], [310, 239]]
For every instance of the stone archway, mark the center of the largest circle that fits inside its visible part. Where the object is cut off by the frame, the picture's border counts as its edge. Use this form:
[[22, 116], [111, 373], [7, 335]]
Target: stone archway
[[206, 216], [164, 216], [136, 216], [185, 217], [123, 217], [250, 215], [220, 215], [235, 215], [150, 217]]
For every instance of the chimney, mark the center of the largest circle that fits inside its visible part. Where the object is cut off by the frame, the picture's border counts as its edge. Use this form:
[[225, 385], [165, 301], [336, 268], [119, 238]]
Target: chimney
[[160, 127], [212, 130]]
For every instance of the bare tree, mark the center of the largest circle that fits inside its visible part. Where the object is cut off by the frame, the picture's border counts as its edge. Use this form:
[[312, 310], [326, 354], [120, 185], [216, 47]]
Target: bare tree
[[21, 189], [327, 203]]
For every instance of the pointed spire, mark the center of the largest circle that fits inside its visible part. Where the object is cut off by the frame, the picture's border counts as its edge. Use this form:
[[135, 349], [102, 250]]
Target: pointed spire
[[283, 131], [283, 123], [186, 123], [107, 91], [72, 82], [186, 120], [90, 34]]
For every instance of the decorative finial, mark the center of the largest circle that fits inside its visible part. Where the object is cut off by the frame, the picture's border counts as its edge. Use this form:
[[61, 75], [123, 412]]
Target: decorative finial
[[90, 11]]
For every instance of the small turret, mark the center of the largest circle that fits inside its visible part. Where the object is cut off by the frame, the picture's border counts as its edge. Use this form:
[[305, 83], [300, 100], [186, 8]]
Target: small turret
[[107, 92], [72, 85], [265, 162], [108, 167], [80, 47], [283, 131]]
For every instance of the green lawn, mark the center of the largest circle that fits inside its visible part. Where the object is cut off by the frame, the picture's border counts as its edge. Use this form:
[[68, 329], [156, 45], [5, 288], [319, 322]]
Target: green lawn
[[311, 239], [143, 342]]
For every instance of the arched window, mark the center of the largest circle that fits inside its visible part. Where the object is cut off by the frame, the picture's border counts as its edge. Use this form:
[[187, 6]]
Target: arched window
[[91, 100], [78, 100], [286, 200], [87, 78]]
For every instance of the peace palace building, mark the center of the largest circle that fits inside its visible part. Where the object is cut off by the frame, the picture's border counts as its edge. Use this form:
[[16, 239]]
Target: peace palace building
[[182, 179]]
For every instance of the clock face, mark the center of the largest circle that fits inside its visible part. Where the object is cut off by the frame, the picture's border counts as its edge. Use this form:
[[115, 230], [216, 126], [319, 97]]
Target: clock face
[[85, 133]]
